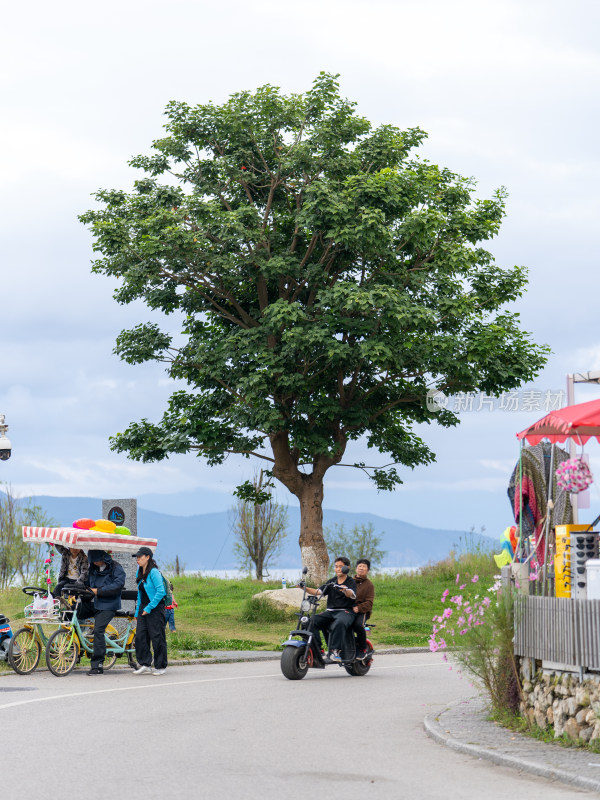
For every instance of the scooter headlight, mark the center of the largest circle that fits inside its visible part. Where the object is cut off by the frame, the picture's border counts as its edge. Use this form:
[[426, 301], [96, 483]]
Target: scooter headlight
[[304, 620], [305, 606]]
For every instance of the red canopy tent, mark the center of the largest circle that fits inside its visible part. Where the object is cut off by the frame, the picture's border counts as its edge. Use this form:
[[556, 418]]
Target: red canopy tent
[[580, 422]]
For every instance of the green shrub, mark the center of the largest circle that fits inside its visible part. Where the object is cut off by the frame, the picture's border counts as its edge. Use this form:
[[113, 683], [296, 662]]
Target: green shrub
[[259, 609], [198, 643]]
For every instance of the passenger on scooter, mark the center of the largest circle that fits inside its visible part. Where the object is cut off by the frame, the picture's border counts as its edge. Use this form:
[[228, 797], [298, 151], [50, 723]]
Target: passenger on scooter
[[339, 616], [365, 594], [73, 568]]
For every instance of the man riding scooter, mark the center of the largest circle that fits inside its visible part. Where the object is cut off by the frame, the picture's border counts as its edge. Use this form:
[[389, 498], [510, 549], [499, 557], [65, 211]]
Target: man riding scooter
[[339, 616]]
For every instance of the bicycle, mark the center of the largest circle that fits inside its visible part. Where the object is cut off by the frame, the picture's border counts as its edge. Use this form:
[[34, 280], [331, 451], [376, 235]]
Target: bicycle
[[66, 645], [26, 645]]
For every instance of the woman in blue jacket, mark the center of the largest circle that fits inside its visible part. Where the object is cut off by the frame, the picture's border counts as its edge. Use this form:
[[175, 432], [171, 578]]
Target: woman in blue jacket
[[150, 613]]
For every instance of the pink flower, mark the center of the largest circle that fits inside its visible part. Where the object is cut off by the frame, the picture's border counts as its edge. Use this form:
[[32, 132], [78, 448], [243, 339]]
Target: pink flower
[[457, 599], [445, 595], [462, 586], [447, 613], [475, 578], [462, 633], [486, 601], [457, 578], [433, 645]]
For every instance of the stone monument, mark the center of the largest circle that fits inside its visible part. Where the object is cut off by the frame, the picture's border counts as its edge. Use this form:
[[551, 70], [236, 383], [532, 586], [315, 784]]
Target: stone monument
[[124, 512]]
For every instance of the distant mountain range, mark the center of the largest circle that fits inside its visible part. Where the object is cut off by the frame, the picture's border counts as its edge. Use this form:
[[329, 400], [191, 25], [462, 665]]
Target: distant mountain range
[[204, 541]]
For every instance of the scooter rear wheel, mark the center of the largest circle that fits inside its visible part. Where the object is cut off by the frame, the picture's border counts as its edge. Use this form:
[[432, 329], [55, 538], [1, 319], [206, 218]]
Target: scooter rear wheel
[[294, 662], [24, 651], [358, 668]]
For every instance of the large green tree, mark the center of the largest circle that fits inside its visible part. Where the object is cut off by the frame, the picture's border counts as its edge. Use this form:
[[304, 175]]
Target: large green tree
[[326, 278]]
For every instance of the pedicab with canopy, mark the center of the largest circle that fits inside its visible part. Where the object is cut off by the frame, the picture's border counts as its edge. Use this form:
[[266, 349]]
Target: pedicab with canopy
[[72, 638]]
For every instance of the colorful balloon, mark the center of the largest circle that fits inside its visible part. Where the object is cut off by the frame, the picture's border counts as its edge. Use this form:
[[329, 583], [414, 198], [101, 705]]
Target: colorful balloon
[[104, 526], [84, 524]]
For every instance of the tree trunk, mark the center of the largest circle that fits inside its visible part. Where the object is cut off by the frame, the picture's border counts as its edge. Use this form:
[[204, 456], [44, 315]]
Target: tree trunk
[[257, 539], [312, 544]]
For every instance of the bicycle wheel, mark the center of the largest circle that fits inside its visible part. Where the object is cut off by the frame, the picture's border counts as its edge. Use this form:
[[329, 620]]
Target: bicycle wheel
[[111, 658], [24, 651], [62, 651], [131, 662]]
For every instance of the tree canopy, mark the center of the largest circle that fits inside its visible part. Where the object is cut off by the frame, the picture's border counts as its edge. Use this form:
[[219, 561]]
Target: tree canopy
[[326, 278]]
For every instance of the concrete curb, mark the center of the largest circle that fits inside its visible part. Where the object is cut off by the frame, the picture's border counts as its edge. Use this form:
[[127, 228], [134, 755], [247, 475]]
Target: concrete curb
[[539, 765], [231, 657]]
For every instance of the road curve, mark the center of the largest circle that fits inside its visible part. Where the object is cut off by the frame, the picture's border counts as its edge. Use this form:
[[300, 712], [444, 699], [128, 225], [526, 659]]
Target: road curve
[[243, 730]]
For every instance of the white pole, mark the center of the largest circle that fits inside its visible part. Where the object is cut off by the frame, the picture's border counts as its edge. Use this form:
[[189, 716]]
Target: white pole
[[572, 450]]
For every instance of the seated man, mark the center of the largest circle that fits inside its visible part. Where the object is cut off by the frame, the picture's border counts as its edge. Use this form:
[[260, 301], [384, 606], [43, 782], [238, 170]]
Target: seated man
[[339, 616], [106, 580], [73, 568], [365, 594]]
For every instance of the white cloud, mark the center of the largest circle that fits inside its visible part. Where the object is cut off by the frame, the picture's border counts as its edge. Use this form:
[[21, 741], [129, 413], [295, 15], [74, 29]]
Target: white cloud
[[506, 91]]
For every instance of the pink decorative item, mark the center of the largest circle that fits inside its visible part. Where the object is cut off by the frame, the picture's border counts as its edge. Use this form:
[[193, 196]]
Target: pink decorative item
[[574, 475], [84, 524]]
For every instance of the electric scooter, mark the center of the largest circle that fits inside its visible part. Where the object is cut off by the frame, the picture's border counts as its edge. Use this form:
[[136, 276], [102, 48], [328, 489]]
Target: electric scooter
[[5, 637], [302, 651]]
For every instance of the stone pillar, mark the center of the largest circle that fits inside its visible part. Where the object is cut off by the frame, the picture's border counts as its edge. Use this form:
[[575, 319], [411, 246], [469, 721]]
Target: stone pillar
[[124, 512]]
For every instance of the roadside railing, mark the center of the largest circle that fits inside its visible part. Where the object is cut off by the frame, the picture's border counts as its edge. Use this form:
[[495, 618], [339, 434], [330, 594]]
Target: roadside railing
[[559, 630]]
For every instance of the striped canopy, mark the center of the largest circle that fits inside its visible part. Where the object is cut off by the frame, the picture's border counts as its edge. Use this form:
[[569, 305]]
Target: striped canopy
[[87, 540]]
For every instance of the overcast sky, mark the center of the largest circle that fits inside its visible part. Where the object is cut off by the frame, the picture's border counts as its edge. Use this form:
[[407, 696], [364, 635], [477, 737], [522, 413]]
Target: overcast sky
[[508, 93]]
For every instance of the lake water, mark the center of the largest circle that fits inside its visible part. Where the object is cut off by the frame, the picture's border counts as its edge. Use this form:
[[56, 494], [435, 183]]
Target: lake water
[[277, 574]]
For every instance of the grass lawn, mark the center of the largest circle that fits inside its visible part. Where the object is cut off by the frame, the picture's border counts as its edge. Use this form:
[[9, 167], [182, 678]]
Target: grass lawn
[[213, 614]]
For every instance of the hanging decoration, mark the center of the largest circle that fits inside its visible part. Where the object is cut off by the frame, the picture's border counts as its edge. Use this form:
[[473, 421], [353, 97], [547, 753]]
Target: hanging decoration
[[48, 565], [574, 475]]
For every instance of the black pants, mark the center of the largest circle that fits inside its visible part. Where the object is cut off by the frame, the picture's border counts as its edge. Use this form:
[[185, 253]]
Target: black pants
[[101, 619], [359, 629], [151, 629], [337, 623]]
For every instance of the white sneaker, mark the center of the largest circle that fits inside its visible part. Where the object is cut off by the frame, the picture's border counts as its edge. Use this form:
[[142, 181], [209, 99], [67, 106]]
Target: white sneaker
[[158, 671], [141, 670]]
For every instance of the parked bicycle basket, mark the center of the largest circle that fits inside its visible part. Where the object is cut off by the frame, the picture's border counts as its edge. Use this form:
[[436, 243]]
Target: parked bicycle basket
[[43, 608]]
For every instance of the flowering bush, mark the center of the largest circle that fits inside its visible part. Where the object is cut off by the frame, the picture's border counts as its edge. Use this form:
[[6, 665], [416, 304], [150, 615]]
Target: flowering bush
[[477, 630]]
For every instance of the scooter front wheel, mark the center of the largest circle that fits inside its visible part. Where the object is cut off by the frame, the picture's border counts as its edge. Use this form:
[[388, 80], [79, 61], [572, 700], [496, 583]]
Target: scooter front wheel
[[294, 662]]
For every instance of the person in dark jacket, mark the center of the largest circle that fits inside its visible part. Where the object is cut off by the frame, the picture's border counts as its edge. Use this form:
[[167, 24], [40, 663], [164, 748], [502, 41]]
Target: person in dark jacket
[[150, 614], [106, 579], [339, 616], [365, 594], [74, 568]]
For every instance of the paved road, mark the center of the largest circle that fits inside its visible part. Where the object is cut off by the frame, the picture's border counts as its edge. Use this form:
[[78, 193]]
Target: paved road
[[242, 730]]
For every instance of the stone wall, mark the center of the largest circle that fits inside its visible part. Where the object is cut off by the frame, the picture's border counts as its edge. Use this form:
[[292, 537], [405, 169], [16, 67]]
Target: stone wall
[[562, 699]]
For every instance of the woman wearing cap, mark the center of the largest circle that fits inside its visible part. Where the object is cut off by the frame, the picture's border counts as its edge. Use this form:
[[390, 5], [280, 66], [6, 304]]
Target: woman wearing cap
[[150, 613]]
